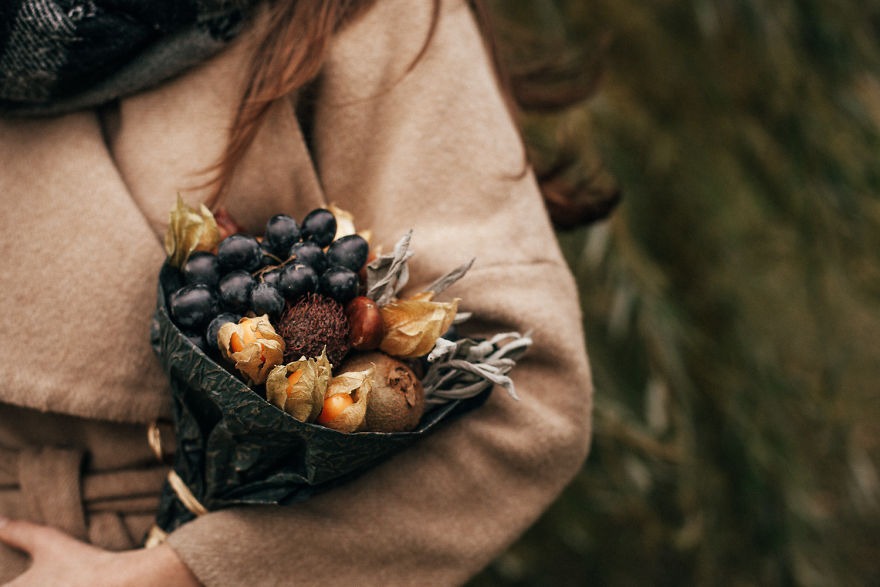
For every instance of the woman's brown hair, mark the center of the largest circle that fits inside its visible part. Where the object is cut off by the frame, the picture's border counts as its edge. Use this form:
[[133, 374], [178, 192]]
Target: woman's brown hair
[[294, 45]]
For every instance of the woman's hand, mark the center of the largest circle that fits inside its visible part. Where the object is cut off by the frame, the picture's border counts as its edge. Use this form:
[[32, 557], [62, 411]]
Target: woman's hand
[[59, 559]]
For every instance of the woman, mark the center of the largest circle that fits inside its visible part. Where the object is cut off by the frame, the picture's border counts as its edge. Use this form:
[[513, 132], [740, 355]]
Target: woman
[[403, 134]]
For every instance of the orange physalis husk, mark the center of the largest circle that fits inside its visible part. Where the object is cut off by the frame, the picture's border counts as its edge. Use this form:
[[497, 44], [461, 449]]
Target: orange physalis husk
[[189, 230], [413, 325], [298, 388], [253, 345], [357, 384]]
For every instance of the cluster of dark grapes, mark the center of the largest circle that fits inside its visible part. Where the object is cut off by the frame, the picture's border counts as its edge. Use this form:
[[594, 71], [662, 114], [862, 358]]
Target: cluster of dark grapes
[[249, 275]]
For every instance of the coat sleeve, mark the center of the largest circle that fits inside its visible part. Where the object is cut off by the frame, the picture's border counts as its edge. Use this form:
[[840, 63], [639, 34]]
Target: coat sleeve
[[430, 148]]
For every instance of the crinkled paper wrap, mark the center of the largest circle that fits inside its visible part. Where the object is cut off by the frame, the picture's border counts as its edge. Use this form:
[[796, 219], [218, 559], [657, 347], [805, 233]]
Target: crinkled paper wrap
[[235, 448]]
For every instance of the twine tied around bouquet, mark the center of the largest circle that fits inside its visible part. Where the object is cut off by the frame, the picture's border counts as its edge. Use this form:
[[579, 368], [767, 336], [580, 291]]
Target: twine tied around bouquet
[[156, 535]]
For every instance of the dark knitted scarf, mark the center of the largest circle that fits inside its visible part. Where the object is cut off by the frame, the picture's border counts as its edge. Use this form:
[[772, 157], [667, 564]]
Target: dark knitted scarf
[[62, 55]]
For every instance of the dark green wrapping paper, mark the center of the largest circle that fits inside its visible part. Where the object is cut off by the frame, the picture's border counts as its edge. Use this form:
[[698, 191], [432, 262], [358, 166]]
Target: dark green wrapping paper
[[235, 448]]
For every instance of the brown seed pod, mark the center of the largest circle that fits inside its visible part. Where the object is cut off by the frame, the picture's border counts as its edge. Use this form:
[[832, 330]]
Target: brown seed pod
[[367, 325], [313, 323], [397, 398]]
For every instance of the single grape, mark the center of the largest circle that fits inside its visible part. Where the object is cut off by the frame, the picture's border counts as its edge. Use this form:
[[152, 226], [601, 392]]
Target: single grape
[[319, 226], [309, 253], [213, 329], [235, 291], [202, 267], [297, 280], [265, 299], [171, 279], [349, 251], [282, 232], [339, 283], [271, 277], [239, 251], [192, 306]]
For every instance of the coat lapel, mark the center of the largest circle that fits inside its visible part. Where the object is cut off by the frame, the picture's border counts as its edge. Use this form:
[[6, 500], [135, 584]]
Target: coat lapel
[[84, 210]]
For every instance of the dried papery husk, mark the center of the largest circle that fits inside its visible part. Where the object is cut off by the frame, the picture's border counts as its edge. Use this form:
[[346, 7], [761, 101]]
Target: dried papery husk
[[412, 326], [387, 274], [189, 230], [425, 296], [304, 398], [261, 347], [344, 221], [345, 224], [357, 384]]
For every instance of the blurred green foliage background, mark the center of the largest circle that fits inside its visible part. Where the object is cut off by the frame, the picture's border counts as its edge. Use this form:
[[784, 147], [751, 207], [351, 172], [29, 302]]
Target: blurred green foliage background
[[731, 302]]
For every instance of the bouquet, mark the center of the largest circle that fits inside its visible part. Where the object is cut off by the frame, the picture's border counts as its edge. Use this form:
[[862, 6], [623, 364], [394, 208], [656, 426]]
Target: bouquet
[[295, 363]]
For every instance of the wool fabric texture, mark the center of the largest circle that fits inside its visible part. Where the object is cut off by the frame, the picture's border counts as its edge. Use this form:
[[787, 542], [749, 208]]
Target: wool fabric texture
[[61, 55], [85, 200]]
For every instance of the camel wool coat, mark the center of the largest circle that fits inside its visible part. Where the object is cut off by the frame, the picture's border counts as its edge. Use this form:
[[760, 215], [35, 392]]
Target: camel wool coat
[[85, 200]]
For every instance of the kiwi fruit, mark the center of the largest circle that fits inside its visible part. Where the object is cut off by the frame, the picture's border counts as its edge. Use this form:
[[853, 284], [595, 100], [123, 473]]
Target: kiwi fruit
[[397, 399]]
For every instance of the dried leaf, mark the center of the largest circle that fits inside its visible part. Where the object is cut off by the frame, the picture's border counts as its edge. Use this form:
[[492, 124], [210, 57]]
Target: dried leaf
[[388, 274], [189, 230], [303, 397], [443, 282], [443, 350], [253, 345], [412, 326], [358, 384], [466, 367]]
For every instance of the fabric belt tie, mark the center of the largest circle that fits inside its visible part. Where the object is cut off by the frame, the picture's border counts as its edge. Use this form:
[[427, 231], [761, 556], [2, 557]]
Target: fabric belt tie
[[50, 487], [94, 507]]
